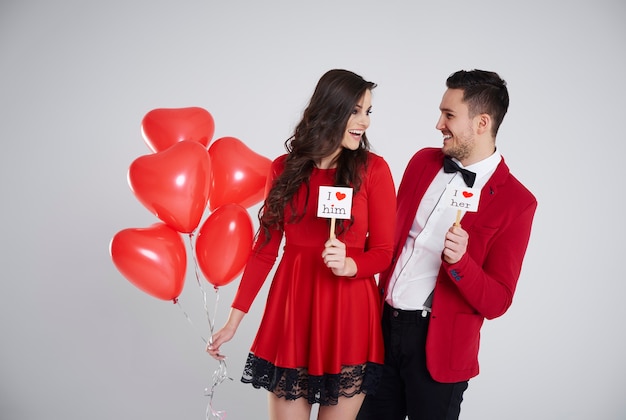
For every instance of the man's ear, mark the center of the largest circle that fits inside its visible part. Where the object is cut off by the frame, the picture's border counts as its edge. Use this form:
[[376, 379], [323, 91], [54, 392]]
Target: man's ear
[[484, 123]]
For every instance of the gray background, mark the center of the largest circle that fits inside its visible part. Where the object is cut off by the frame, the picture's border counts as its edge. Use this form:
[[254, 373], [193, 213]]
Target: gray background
[[79, 341]]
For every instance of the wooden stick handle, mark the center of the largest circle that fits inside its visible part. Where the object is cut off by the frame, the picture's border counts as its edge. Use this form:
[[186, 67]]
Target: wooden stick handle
[[458, 218], [332, 228]]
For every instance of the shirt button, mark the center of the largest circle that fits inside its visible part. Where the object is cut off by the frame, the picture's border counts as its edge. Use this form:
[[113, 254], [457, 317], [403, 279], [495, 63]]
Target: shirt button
[[395, 314]]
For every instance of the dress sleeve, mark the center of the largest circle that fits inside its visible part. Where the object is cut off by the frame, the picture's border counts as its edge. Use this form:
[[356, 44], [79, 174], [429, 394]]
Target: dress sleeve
[[381, 205], [261, 258]]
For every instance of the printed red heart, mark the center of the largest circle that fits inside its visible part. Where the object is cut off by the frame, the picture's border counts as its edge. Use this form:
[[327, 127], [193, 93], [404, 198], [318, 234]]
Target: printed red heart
[[340, 195], [467, 194]]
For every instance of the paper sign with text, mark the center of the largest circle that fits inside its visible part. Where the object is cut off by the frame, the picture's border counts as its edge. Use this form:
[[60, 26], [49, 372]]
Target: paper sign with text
[[465, 199], [334, 202]]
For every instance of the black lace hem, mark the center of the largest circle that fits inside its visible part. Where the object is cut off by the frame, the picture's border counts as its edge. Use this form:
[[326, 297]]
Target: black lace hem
[[297, 383]]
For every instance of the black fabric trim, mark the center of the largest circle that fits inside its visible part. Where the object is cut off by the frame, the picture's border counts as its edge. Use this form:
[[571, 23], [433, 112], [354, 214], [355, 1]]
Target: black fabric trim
[[297, 383]]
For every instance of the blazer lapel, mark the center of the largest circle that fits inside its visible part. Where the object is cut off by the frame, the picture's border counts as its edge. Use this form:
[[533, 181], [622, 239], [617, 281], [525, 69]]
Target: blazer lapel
[[488, 192]]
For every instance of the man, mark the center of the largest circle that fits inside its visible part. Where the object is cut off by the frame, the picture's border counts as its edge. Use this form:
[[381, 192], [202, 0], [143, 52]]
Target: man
[[465, 271]]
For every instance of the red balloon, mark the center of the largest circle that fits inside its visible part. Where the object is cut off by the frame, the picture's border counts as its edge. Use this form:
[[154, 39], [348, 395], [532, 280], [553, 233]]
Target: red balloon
[[174, 184], [223, 244], [163, 127], [153, 259], [239, 174]]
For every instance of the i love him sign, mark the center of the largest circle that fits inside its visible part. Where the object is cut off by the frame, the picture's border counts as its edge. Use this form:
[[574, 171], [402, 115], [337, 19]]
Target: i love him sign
[[334, 202]]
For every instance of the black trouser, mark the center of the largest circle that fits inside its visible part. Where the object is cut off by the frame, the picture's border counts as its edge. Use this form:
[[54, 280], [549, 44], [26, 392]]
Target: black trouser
[[407, 389]]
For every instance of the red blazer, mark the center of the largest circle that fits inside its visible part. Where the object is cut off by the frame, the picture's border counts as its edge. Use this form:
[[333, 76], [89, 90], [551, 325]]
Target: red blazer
[[482, 283]]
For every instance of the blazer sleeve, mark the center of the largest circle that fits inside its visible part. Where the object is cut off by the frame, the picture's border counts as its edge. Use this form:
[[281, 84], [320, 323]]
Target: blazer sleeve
[[488, 286]]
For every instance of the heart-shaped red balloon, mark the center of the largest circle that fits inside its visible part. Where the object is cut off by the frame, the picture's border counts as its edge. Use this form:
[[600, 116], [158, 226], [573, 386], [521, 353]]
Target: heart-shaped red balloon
[[174, 184], [239, 174], [224, 243], [153, 259], [161, 128]]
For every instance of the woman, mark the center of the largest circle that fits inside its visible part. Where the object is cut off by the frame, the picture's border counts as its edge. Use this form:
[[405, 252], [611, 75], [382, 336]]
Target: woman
[[320, 339]]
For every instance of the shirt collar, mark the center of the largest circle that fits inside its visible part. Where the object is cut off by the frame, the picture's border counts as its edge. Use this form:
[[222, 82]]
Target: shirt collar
[[485, 166]]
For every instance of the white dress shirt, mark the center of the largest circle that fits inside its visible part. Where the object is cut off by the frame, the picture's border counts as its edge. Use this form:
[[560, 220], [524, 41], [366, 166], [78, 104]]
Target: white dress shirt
[[415, 273]]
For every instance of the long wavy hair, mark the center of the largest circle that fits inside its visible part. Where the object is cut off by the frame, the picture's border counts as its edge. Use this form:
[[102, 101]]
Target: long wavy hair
[[318, 135]]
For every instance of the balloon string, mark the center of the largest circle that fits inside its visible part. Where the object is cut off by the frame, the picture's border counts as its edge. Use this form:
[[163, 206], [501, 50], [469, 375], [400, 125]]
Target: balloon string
[[190, 323], [197, 273], [212, 321], [220, 374]]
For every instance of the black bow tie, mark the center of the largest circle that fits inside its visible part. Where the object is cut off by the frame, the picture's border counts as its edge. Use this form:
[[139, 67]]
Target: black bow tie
[[450, 166]]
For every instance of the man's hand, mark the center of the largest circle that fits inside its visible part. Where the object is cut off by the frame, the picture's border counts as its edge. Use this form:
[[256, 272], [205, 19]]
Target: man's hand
[[455, 244]]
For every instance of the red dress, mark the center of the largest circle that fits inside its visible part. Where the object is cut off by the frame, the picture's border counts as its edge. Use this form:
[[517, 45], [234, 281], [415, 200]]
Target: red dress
[[320, 336]]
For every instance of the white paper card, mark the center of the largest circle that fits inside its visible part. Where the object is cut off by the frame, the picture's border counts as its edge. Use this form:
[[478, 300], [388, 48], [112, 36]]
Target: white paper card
[[334, 202], [465, 199]]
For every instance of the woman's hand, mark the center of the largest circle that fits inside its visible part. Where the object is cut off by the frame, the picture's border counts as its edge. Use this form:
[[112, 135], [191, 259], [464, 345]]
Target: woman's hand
[[334, 256], [225, 334]]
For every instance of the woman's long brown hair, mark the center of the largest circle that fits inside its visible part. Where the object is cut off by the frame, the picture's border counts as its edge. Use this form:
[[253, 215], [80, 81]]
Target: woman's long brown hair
[[318, 135]]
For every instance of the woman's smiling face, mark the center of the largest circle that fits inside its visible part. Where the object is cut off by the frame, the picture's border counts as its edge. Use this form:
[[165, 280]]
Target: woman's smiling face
[[358, 122]]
